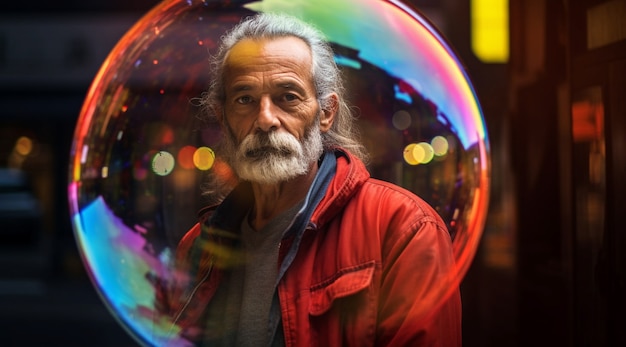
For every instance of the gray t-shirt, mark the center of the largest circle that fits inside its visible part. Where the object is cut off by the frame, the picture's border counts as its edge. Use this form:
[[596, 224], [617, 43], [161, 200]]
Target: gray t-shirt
[[244, 298]]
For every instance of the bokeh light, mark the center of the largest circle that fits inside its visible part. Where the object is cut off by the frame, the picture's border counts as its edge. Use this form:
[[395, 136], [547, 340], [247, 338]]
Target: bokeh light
[[413, 154], [142, 150], [186, 157], [163, 163], [203, 158], [401, 120], [23, 145], [428, 152], [440, 145]]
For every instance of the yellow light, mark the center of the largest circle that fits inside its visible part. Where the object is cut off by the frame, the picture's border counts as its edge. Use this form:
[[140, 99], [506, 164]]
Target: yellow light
[[203, 158], [427, 153], [23, 146], [490, 30], [409, 154]]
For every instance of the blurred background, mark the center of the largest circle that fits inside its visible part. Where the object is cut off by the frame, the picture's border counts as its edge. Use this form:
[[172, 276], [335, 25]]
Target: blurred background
[[550, 76]]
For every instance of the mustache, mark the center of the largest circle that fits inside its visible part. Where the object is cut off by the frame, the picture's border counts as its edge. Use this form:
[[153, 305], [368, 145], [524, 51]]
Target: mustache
[[260, 145], [258, 152]]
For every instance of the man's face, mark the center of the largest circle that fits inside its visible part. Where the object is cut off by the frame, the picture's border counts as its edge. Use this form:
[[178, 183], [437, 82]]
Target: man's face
[[271, 112]]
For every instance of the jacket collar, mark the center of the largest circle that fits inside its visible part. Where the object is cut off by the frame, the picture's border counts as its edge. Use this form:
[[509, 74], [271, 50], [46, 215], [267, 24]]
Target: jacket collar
[[350, 174]]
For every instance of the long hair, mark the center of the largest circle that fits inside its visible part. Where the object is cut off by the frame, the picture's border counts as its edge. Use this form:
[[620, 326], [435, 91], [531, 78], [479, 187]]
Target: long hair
[[327, 77]]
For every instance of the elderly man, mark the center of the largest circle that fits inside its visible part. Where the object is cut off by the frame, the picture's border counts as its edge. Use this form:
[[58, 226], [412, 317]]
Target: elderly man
[[307, 249]]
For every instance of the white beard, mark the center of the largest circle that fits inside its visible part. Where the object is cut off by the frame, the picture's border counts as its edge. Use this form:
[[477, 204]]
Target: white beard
[[273, 157]]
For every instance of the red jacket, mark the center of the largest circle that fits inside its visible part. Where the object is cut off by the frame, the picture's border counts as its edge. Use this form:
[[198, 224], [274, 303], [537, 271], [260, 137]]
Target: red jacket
[[369, 271]]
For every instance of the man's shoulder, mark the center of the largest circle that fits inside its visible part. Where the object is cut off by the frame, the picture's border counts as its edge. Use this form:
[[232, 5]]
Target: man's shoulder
[[384, 189], [396, 199]]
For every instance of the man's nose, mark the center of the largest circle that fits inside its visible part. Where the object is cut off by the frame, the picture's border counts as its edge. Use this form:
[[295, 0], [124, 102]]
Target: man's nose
[[267, 119]]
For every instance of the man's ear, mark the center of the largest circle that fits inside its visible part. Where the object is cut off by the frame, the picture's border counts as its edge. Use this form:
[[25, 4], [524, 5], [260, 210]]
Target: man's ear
[[329, 110]]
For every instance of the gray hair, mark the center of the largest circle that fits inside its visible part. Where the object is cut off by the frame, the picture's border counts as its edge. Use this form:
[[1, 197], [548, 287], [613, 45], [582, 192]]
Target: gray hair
[[327, 77]]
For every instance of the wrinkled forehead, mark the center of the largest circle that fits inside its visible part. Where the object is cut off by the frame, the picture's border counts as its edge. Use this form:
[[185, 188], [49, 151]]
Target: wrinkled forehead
[[248, 51]]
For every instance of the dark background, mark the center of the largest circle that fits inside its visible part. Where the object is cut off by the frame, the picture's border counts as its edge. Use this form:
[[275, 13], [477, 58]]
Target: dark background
[[550, 270]]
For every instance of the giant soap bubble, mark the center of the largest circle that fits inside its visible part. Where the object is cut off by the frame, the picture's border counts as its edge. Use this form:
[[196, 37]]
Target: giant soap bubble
[[141, 149]]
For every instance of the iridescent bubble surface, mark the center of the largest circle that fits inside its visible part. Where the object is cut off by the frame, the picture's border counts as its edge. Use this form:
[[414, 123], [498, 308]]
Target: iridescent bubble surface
[[141, 152]]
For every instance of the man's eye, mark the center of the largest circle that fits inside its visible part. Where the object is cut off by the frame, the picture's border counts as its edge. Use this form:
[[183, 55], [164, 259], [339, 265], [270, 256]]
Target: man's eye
[[244, 100], [289, 97]]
